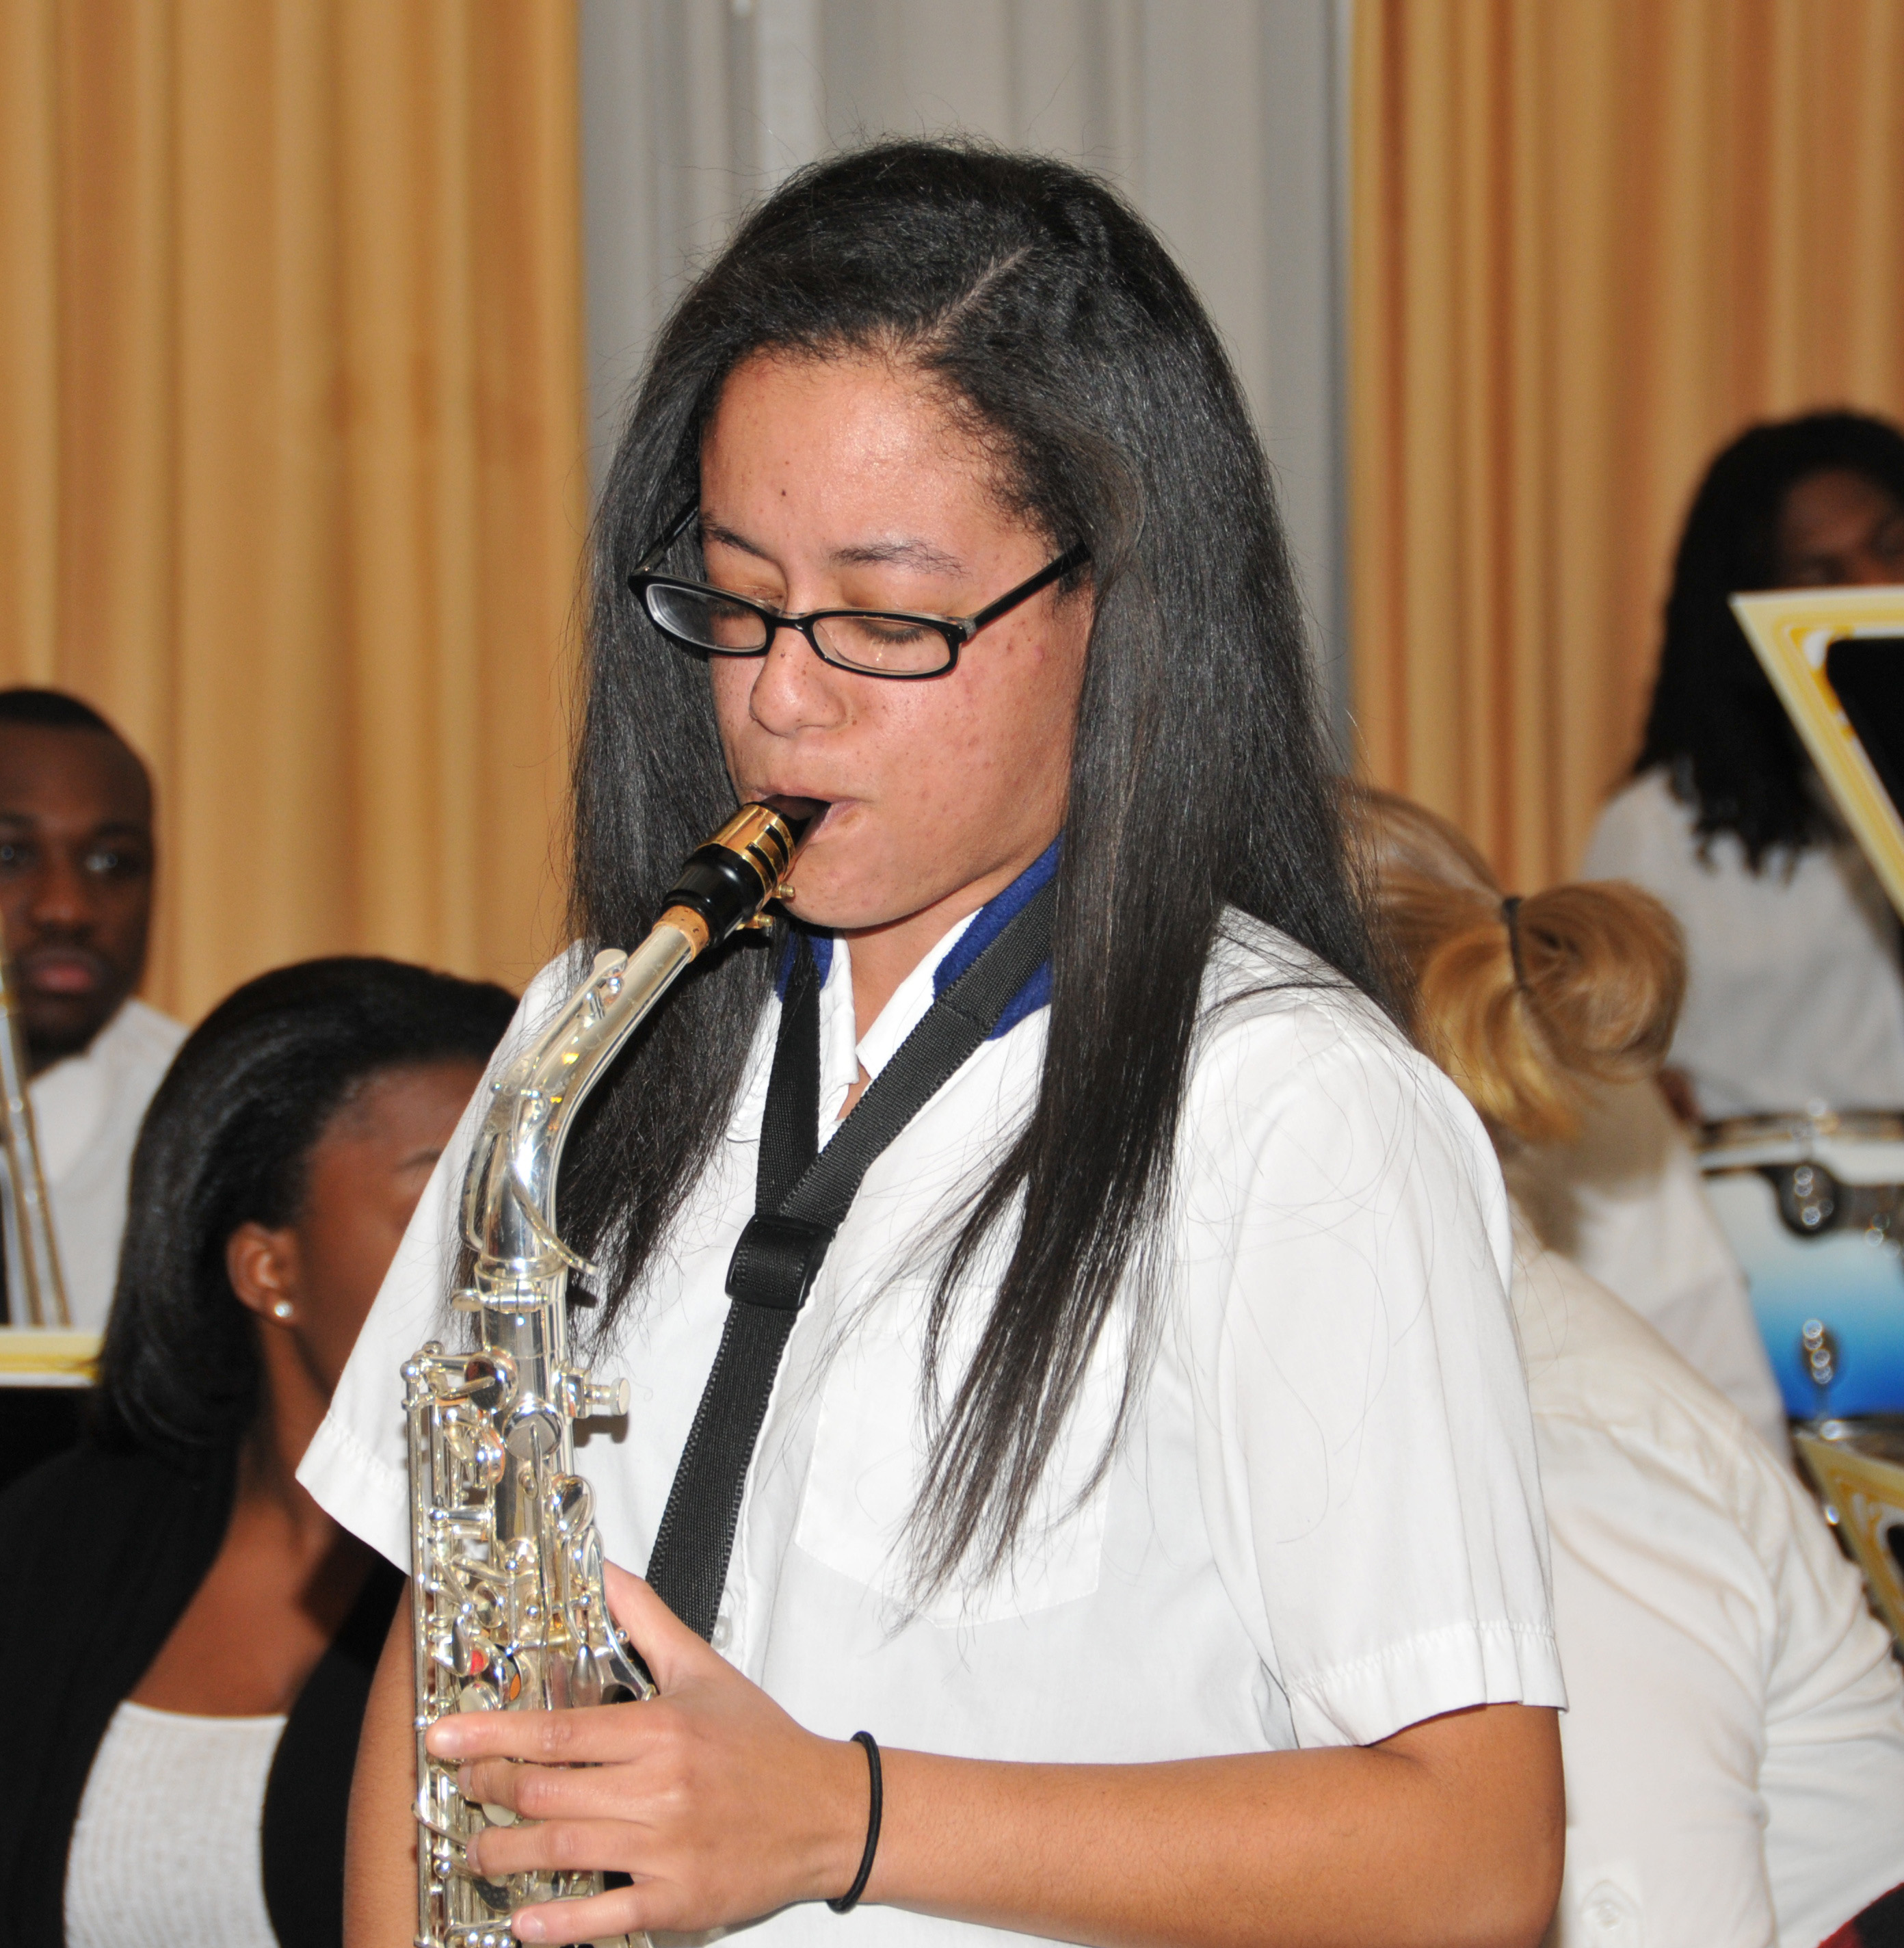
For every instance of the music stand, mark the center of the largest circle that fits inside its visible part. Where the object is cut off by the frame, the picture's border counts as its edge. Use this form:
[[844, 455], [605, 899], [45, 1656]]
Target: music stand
[[1836, 658], [1865, 1492]]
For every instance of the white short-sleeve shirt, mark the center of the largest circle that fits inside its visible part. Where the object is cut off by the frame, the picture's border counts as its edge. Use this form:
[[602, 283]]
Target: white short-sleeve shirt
[[1735, 1742], [87, 1111], [1323, 1523], [1794, 992], [1625, 1201]]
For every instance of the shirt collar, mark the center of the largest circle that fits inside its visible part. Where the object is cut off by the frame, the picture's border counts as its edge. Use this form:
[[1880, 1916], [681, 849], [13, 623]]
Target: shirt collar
[[962, 946], [841, 1057]]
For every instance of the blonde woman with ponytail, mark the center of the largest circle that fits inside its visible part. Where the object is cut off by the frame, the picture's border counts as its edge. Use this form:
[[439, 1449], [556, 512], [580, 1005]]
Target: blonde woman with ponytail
[[1554, 1013], [1734, 1745]]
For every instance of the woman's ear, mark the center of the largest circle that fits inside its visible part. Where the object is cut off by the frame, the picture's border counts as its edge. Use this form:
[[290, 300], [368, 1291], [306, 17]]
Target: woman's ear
[[262, 1266]]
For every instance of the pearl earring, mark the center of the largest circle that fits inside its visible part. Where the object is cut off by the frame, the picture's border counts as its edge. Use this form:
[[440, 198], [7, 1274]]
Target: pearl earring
[[282, 1310]]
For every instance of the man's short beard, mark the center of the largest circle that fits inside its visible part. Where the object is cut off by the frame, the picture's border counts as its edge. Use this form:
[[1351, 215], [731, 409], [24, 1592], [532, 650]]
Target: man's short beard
[[44, 1049]]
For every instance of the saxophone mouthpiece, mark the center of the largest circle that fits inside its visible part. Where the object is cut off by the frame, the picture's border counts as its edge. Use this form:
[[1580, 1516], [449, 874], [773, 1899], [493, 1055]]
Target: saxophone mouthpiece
[[801, 815], [726, 883]]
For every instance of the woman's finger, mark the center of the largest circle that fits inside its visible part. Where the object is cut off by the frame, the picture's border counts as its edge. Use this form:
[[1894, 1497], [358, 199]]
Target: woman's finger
[[587, 1736], [625, 1911], [556, 1792], [554, 1846], [670, 1649]]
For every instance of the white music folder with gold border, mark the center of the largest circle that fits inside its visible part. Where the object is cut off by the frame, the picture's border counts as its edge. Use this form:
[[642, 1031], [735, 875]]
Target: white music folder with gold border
[[38, 1356], [1836, 658]]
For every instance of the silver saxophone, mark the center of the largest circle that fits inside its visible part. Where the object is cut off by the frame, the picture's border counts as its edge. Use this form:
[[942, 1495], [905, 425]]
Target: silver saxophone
[[510, 1613]]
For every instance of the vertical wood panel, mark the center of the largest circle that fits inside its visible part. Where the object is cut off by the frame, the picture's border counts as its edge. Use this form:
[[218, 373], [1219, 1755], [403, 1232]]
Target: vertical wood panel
[[291, 453], [30, 474], [1590, 243]]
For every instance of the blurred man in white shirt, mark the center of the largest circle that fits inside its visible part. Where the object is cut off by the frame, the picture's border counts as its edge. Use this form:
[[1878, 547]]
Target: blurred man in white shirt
[[75, 900]]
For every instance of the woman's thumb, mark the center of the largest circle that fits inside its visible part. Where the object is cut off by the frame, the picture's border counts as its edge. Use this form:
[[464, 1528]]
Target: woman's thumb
[[669, 1648]]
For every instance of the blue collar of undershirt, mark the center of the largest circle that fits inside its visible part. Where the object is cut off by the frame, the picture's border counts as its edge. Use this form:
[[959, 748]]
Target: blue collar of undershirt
[[987, 923]]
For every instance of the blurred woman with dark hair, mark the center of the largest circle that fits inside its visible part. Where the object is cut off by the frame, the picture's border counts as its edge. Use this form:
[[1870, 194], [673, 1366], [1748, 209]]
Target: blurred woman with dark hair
[[180, 1747], [1795, 996]]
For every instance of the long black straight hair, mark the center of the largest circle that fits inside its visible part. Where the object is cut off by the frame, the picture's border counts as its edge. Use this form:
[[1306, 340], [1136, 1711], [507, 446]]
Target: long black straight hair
[[1716, 726], [1052, 322], [226, 1142]]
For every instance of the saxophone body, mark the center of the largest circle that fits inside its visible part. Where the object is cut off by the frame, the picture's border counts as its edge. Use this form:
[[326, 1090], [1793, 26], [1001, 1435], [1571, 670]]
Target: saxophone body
[[508, 1606]]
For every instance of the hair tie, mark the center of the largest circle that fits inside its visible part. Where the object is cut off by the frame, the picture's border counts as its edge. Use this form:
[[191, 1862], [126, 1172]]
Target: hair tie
[[850, 1899], [1511, 917]]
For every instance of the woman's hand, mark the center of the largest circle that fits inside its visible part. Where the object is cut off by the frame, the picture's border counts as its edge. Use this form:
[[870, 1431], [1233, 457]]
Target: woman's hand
[[721, 1809], [717, 1805]]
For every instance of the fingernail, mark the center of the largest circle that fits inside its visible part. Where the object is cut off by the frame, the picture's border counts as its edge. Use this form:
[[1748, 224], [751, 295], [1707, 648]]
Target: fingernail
[[444, 1739], [526, 1927]]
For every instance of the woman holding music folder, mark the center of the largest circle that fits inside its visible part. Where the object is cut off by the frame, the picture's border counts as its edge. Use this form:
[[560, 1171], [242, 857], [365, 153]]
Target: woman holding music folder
[[1148, 1471], [1795, 999]]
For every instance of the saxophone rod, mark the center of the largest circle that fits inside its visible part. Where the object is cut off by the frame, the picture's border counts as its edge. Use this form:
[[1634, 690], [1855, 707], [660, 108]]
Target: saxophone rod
[[36, 1248]]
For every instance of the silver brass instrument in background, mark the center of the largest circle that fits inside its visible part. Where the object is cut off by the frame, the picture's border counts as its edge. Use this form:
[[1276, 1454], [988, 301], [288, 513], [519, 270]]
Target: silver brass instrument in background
[[510, 1613], [42, 1301]]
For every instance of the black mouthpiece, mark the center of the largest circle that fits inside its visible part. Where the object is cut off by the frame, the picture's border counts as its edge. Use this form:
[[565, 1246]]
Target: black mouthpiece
[[729, 879]]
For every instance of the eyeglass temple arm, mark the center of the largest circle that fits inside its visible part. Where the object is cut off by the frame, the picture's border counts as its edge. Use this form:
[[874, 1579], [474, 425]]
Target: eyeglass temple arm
[[1074, 557], [678, 526]]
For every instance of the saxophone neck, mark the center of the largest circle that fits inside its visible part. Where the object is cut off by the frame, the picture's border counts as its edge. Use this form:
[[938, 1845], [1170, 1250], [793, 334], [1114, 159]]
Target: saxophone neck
[[510, 1216], [509, 1209]]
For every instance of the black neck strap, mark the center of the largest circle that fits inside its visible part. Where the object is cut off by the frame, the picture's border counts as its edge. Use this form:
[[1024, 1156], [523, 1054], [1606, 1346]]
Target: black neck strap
[[802, 1196]]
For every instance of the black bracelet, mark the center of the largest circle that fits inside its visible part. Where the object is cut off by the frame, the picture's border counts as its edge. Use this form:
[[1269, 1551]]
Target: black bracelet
[[851, 1898]]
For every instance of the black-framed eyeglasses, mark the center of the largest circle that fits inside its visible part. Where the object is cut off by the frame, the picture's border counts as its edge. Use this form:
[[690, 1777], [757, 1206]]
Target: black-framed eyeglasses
[[893, 643]]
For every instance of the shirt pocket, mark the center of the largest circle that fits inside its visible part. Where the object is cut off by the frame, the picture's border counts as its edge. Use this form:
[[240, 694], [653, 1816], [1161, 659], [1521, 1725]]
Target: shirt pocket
[[869, 1455]]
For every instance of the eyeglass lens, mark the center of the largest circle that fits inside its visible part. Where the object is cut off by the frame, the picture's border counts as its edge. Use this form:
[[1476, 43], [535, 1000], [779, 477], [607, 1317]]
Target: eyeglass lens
[[889, 645]]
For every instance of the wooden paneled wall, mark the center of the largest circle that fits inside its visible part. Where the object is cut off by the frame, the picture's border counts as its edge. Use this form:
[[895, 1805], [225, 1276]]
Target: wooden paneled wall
[[1591, 241], [291, 421]]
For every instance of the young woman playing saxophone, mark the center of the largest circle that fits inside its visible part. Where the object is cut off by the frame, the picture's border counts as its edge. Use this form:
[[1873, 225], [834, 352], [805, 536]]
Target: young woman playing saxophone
[[1148, 1469]]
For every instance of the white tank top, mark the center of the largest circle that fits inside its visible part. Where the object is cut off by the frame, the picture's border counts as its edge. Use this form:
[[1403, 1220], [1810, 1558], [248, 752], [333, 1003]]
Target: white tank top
[[169, 1844]]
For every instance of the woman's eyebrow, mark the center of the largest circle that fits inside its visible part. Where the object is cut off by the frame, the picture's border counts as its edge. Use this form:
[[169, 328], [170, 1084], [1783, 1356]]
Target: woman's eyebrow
[[712, 530], [917, 554], [911, 553]]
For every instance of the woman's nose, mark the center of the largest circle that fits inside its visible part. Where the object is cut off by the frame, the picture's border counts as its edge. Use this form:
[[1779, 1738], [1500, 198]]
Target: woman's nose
[[793, 690]]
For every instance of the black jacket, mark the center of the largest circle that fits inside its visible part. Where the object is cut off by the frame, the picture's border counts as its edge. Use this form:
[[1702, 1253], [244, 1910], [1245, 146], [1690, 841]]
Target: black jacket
[[101, 1553]]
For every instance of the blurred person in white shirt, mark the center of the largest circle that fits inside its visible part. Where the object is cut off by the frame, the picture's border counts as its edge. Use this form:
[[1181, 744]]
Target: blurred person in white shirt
[[1794, 999], [1613, 1185], [1733, 1742], [1623, 1199], [75, 900]]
